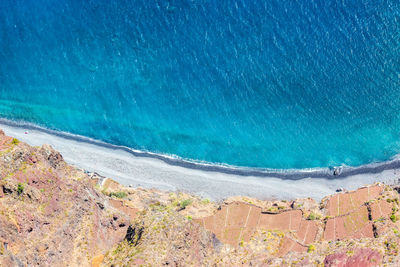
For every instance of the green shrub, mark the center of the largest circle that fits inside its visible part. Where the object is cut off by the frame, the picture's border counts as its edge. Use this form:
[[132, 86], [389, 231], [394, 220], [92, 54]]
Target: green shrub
[[350, 253], [393, 218], [15, 141], [380, 219], [118, 194], [311, 248], [205, 201], [185, 203], [313, 216], [20, 188]]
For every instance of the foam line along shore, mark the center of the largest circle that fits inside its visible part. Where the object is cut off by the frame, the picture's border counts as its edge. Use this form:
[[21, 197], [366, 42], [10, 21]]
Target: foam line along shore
[[152, 172]]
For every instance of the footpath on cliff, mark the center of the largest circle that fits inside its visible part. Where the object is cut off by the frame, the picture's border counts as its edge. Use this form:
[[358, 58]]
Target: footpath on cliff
[[54, 214]]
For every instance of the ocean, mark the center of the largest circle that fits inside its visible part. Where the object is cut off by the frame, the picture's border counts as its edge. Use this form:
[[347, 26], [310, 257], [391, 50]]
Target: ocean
[[265, 84]]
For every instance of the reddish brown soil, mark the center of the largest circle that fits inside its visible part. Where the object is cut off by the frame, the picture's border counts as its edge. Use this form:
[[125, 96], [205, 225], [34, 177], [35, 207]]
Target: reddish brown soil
[[348, 217]]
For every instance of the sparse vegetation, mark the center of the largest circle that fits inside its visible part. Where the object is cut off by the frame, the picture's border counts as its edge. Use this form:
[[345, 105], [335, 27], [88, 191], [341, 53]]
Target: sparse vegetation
[[313, 216], [311, 248], [20, 188], [119, 194], [205, 201], [391, 247], [380, 219], [162, 228], [15, 141], [350, 253], [395, 200], [393, 217], [183, 204], [396, 232]]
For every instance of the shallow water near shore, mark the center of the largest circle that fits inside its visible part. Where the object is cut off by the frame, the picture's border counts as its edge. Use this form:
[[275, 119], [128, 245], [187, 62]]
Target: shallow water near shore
[[152, 172], [265, 84]]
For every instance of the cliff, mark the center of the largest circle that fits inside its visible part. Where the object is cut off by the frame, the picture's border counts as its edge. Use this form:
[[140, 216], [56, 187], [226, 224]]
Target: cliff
[[54, 214]]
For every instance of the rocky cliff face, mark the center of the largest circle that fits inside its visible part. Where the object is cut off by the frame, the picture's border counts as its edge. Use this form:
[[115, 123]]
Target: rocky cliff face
[[53, 214], [50, 213]]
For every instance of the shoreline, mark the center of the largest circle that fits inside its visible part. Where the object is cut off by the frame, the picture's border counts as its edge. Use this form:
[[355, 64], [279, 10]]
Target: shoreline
[[150, 170]]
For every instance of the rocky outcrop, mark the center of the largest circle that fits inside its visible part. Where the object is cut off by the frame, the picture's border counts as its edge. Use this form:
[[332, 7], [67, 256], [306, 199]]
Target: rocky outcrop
[[252, 232], [364, 257], [50, 214], [163, 237], [53, 214]]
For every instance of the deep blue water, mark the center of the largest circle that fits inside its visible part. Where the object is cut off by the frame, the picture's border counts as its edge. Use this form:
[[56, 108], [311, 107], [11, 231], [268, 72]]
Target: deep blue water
[[276, 84]]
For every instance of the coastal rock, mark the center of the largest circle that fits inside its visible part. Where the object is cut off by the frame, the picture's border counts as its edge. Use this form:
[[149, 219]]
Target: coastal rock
[[52, 214], [48, 211], [53, 157], [364, 257], [162, 237]]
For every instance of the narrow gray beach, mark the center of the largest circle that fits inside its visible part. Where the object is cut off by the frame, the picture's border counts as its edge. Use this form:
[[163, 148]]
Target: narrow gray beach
[[153, 172]]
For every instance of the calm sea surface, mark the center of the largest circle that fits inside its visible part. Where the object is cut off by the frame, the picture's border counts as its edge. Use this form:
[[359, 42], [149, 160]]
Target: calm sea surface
[[274, 84]]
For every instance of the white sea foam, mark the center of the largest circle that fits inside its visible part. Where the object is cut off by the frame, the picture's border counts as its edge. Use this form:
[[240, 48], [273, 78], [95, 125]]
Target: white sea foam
[[153, 172]]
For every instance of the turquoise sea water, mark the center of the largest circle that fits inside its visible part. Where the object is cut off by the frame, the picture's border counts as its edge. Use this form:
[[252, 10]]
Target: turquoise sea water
[[271, 84]]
